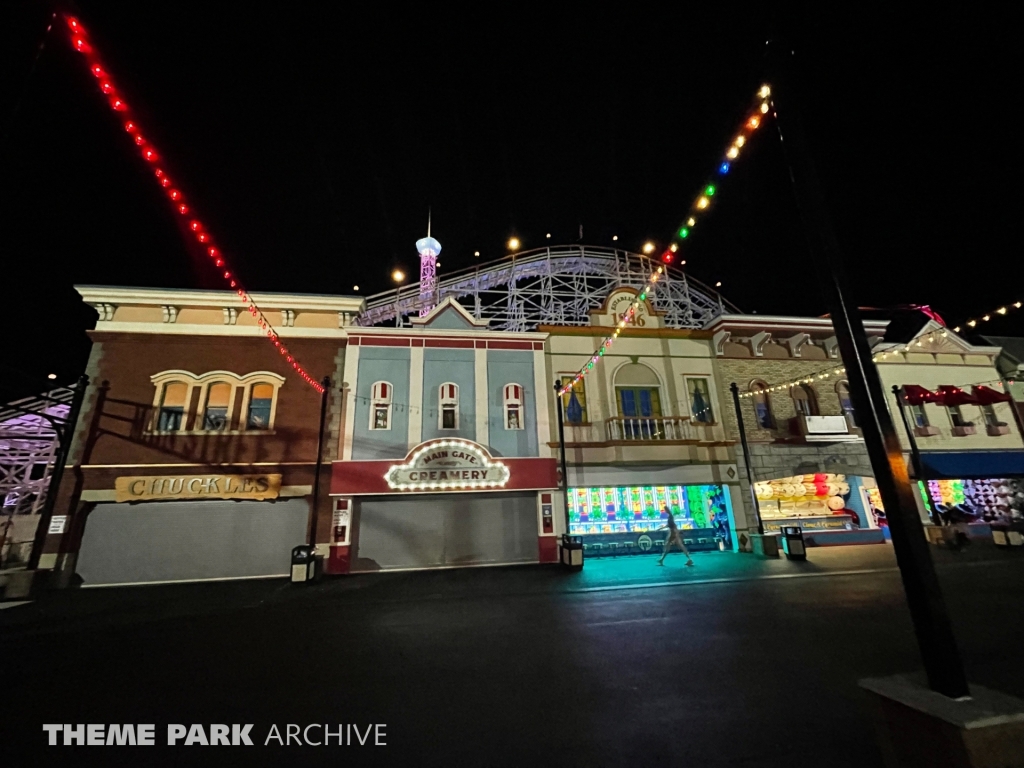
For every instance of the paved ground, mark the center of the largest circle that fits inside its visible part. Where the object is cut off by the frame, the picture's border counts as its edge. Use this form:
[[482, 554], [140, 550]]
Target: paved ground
[[737, 662]]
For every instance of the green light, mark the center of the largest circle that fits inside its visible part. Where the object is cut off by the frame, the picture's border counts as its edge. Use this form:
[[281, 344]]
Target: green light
[[709, 190], [601, 351], [643, 296], [684, 233]]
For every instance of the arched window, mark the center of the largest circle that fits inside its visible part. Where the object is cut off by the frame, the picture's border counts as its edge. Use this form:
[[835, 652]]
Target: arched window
[[216, 401], [762, 405], [261, 401], [804, 400], [173, 402], [448, 400], [380, 405], [514, 415], [216, 410], [845, 402]]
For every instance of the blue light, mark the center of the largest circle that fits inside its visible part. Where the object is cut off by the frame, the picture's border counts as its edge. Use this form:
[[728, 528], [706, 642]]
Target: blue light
[[723, 168]]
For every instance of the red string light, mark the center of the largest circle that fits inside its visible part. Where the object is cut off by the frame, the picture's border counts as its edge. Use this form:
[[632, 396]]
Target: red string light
[[79, 41]]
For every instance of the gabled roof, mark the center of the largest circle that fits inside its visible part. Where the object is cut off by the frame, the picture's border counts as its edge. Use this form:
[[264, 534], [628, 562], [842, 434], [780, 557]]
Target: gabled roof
[[449, 315]]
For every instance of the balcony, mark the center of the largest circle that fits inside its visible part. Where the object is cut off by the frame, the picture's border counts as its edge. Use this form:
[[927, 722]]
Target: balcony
[[823, 429], [651, 429]]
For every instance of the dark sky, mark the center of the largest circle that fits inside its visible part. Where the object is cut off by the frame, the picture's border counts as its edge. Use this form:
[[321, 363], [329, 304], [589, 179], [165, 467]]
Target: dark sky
[[311, 140]]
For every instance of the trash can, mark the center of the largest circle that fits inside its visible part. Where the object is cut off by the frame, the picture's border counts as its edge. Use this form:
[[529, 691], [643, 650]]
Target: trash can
[[303, 564], [572, 552], [793, 542]]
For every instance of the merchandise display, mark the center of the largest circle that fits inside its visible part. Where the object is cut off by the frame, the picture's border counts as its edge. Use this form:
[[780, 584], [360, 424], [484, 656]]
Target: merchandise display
[[987, 500], [814, 502]]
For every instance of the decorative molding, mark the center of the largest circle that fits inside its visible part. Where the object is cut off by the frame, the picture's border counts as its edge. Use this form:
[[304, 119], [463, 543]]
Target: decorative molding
[[719, 340], [795, 342], [287, 318], [155, 297], [831, 346], [106, 311], [170, 313], [757, 342], [230, 315]]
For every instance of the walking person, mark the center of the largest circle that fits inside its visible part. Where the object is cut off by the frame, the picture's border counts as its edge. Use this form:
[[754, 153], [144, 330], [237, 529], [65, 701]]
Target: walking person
[[673, 537]]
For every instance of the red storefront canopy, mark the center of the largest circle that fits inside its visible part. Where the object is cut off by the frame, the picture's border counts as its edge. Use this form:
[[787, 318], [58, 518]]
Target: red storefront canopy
[[950, 395], [986, 396], [916, 395]]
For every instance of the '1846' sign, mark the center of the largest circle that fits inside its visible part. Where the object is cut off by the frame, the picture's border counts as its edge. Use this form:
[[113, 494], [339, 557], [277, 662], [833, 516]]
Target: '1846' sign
[[198, 487]]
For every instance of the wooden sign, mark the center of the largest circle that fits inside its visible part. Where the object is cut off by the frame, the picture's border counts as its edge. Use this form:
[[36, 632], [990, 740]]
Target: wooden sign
[[197, 487]]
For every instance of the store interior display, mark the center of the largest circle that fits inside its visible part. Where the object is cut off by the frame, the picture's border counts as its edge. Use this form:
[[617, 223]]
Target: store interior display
[[987, 500], [637, 509], [816, 501]]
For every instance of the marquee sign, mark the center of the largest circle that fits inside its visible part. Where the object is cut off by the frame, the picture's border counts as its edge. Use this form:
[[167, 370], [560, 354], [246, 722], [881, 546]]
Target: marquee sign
[[446, 465]]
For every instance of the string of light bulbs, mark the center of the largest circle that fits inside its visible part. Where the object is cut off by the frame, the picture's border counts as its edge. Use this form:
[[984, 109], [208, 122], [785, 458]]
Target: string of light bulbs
[[701, 205], [80, 42], [893, 349]]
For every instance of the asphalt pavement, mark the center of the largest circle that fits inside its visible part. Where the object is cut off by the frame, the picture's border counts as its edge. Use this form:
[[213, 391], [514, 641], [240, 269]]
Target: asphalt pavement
[[735, 662]]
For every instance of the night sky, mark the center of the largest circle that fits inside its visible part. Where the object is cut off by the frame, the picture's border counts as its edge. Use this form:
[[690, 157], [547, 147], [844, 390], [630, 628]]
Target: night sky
[[311, 141]]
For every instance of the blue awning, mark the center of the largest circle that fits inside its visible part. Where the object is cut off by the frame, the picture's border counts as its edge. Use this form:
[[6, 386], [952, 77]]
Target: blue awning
[[963, 465]]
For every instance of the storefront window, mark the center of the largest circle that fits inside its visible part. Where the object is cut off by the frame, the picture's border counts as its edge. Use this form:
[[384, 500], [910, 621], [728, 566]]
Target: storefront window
[[820, 501], [918, 416], [574, 402], [448, 397], [513, 396], [260, 401], [804, 400], [956, 416], [380, 405], [172, 407], [700, 400], [984, 500], [218, 400], [614, 514], [762, 405], [845, 401]]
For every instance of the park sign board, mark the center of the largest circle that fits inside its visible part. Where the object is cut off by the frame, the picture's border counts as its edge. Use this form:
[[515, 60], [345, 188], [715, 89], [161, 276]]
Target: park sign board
[[168, 488], [447, 465]]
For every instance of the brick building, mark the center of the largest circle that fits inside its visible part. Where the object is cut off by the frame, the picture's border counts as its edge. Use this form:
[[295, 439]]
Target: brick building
[[808, 461]]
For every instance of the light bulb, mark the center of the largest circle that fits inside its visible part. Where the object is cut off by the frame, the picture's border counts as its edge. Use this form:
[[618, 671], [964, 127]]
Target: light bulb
[[648, 247], [702, 202], [740, 141], [513, 243], [765, 92], [764, 108], [733, 153], [691, 221]]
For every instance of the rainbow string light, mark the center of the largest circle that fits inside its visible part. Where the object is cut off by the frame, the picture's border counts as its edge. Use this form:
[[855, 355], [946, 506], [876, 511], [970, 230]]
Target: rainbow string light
[[700, 206], [80, 42]]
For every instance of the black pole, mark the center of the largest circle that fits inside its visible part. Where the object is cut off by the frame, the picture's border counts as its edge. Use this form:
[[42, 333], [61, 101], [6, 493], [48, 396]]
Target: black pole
[[746, 456], [326, 383], [915, 453], [561, 448], [928, 613], [65, 437]]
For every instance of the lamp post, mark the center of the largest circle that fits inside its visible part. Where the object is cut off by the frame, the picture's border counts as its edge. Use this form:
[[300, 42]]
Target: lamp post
[[746, 456], [316, 470], [561, 449], [942, 662]]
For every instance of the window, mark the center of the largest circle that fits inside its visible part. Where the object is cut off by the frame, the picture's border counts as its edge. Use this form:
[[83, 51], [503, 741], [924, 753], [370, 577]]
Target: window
[[380, 405], [845, 402], [989, 414], [513, 397], [956, 416], [918, 415], [638, 402], [574, 402], [804, 401], [172, 407], [261, 399], [699, 395], [218, 403], [448, 399], [762, 405]]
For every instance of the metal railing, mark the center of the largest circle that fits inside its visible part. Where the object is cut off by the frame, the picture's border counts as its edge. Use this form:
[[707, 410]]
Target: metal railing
[[652, 428]]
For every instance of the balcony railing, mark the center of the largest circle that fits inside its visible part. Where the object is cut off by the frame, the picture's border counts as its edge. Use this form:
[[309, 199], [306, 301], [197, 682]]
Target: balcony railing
[[647, 429]]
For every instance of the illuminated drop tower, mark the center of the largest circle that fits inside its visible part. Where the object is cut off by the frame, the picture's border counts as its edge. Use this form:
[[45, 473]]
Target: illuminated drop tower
[[429, 250]]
